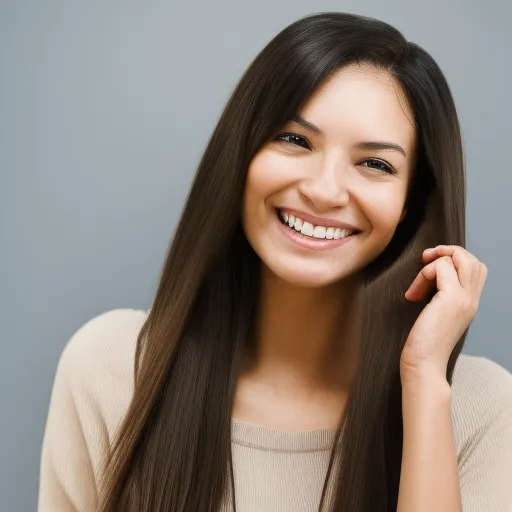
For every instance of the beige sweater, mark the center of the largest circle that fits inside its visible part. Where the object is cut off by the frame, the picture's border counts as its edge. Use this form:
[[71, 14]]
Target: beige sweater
[[274, 470]]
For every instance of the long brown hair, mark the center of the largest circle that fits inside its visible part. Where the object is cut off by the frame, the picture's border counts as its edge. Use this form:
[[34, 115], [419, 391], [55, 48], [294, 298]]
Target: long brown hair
[[172, 450]]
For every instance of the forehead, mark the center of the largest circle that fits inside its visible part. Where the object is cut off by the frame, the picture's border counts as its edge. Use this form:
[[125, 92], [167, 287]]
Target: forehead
[[364, 103]]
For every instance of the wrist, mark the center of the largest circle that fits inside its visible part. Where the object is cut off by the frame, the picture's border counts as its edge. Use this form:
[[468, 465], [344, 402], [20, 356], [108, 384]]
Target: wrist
[[425, 382], [425, 402], [412, 371]]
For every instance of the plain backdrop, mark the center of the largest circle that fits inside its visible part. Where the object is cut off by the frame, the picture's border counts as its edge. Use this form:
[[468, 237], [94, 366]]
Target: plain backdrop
[[105, 110]]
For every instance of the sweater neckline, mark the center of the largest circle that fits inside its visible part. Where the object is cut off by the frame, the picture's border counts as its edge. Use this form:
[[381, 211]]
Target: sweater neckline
[[273, 439]]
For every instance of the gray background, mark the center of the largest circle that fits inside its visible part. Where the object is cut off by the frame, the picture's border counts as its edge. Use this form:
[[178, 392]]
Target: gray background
[[105, 109]]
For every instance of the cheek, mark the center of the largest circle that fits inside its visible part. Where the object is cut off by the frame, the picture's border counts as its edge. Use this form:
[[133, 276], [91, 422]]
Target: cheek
[[263, 180], [384, 208], [258, 186], [270, 172]]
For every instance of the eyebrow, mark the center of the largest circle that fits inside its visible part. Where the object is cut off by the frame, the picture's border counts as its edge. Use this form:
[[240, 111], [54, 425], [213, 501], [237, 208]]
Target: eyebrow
[[370, 144]]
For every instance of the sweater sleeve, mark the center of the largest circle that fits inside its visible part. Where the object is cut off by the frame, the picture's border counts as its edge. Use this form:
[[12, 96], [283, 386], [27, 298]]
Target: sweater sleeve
[[91, 393], [67, 482], [485, 468]]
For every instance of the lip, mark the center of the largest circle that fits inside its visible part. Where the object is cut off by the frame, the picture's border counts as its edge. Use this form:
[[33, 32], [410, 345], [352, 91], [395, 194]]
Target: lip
[[307, 242], [319, 221]]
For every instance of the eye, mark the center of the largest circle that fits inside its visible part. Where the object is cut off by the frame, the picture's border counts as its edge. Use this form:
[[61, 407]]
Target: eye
[[381, 165], [293, 138]]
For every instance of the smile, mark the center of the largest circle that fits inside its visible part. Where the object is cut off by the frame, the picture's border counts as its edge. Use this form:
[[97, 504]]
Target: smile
[[315, 231], [309, 236]]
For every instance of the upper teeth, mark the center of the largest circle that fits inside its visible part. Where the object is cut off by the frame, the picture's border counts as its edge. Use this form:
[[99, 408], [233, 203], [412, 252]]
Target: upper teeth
[[306, 228]]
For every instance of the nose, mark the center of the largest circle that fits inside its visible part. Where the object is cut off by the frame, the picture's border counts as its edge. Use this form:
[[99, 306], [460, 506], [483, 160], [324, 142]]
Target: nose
[[327, 187]]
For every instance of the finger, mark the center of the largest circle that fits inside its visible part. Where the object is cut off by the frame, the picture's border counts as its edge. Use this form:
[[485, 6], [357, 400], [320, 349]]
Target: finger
[[465, 263], [422, 284], [440, 275], [447, 278]]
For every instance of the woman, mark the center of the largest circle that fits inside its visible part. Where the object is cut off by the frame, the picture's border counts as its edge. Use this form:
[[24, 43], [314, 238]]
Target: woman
[[303, 348]]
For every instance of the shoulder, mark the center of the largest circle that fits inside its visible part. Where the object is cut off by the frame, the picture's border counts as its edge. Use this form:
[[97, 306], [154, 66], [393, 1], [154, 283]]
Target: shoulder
[[91, 393], [481, 397], [98, 362], [481, 382], [107, 335]]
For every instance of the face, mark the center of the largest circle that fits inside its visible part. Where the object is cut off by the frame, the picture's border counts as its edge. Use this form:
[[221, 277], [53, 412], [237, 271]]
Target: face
[[340, 196]]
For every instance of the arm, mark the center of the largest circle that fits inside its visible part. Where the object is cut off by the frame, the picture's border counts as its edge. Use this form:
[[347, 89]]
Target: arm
[[429, 474], [92, 391], [429, 478], [66, 475]]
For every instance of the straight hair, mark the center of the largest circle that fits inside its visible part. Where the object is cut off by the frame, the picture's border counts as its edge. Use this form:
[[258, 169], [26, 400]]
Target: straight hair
[[172, 450]]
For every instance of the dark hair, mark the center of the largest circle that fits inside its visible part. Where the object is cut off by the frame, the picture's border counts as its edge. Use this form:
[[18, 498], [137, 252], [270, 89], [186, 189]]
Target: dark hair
[[169, 451]]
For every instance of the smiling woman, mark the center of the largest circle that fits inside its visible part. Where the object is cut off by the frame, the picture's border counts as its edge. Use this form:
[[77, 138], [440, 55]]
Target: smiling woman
[[304, 352], [345, 153]]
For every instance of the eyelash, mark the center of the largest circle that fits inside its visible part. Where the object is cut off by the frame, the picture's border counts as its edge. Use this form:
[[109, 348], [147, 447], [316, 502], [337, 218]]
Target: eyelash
[[388, 168]]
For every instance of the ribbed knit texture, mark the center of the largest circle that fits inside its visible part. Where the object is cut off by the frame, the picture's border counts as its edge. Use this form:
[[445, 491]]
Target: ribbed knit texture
[[274, 470]]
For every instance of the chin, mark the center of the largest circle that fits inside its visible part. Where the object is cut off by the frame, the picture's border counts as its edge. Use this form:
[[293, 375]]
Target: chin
[[312, 277]]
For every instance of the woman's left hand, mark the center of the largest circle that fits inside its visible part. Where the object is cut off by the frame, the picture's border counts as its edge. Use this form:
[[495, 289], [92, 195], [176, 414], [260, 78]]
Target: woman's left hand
[[459, 278]]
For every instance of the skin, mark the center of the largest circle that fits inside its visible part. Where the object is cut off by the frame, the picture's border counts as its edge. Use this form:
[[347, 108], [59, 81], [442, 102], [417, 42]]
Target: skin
[[429, 477], [305, 356], [301, 371]]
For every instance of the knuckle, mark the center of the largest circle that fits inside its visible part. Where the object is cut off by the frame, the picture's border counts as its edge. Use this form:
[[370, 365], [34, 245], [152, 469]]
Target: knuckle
[[463, 303], [470, 305]]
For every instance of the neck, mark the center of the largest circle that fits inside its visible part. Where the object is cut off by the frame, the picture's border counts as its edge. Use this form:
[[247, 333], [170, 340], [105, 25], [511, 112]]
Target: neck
[[305, 339]]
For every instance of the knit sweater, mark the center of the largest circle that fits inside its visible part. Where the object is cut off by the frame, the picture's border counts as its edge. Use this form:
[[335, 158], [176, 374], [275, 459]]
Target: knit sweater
[[274, 470]]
